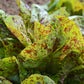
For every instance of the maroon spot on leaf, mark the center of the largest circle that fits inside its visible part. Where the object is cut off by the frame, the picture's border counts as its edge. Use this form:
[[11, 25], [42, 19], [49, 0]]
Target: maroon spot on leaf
[[37, 78], [14, 32], [83, 51], [60, 19], [77, 7], [28, 51], [78, 48], [44, 46], [32, 80], [69, 29], [34, 44], [30, 56], [48, 50], [35, 53], [66, 48], [65, 29], [74, 33], [74, 39]]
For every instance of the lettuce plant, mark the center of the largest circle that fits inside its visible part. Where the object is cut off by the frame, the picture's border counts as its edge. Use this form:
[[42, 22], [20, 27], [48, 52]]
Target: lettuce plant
[[43, 44]]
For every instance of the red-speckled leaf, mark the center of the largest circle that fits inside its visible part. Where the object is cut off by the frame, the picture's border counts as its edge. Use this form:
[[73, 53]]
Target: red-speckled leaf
[[68, 56], [15, 24], [73, 31], [38, 79], [40, 31], [4, 81], [8, 67]]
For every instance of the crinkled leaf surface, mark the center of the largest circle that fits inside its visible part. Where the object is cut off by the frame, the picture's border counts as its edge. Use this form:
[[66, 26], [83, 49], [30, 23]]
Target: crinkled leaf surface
[[74, 44], [9, 44], [16, 25], [57, 45], [76, 76], [38, 79], [40, 31], [8, 67], [79, 20]]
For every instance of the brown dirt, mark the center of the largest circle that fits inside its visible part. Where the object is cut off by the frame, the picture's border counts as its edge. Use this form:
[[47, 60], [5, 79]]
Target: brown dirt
[[10, 6]]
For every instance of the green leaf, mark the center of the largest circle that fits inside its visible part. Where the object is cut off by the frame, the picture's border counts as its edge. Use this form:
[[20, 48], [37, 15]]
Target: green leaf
[[79, 20], [76, 76], [4, 81], [40, 31], [8, 67], [9, 44], [16, 25], [37, 78]]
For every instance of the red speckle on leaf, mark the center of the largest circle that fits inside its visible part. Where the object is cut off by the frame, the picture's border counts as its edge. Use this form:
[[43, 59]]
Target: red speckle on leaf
[[33, 44], [37, 78], [74, 39], [22, 35], [83, 51], [14, 32], [65, 29], [60, 19], [66, 48], [44, 46], [28, 51], [74, 33], [31, 80], [48, 50], [69, 29], [77, 7]]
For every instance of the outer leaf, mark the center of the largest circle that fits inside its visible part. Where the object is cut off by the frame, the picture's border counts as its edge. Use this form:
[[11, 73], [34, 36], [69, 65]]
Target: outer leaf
[[79, 20], [38, 79], [4, 81], [8, 67], [9, 44], [74, 44], [76, 76], [16, 26]]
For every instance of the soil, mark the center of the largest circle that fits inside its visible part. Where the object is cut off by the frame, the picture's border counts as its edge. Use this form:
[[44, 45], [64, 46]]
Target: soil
[[10, 6]]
